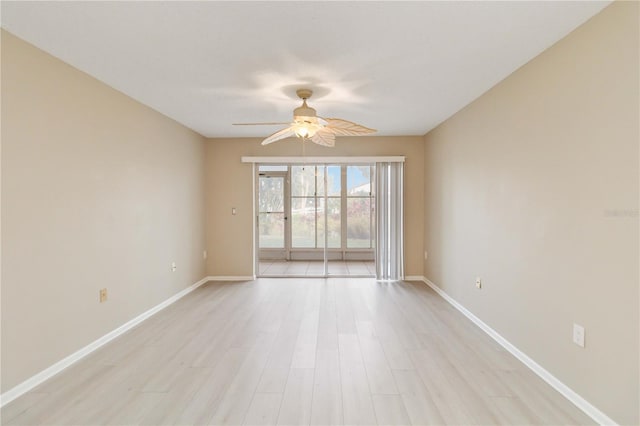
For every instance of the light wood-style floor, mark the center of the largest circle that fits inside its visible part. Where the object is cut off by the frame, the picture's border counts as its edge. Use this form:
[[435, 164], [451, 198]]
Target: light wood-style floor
[[299, 352], [316, 267]]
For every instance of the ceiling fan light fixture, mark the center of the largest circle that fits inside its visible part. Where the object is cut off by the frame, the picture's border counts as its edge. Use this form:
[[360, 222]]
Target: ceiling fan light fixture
[[305, 127]]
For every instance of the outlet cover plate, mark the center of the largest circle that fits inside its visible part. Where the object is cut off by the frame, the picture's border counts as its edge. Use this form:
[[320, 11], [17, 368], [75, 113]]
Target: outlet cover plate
[[578, 335]]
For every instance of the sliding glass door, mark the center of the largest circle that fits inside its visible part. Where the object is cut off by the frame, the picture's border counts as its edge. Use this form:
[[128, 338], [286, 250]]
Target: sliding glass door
[[316, 220]]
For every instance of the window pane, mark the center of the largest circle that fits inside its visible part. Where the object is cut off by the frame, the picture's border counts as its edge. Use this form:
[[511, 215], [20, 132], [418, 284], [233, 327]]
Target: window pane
[[334, 180], [358, 180], [271, 227], [358, 223], [320, 223], [303, 222], [373, 180], [303, 181], [271, 197], [320, 180], [333, 221], [300, 204]]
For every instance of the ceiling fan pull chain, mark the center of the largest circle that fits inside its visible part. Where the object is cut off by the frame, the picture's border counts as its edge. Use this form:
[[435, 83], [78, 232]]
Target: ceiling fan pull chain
[[304, 155]]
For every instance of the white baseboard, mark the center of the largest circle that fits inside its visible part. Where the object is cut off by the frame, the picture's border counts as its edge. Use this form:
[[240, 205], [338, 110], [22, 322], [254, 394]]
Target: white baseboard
[[414, 278], [49, 372], [566, 391], [231, 278]]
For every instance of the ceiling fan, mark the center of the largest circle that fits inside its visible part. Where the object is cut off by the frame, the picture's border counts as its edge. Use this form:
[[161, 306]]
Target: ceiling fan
[[307, 125]]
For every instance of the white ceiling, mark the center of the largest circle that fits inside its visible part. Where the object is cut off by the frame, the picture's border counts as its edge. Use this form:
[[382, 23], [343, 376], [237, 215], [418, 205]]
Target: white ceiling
[[400, 67]]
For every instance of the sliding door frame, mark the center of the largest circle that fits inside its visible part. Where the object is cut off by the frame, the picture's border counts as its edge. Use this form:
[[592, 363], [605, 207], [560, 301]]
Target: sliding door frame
[[293, 161]]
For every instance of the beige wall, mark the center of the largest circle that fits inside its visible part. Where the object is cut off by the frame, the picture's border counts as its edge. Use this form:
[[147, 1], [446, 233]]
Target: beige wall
[[97, 191], [229, 184], [534, 188]]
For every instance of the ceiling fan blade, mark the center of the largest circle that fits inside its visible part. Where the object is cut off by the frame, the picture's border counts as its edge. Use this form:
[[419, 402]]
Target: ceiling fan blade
[[347, 128], [280, 134], [324, 137], [259, 124]]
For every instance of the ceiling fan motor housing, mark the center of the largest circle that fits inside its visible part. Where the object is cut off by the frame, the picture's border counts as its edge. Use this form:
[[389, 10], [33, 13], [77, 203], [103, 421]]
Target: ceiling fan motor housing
[[304, 111]]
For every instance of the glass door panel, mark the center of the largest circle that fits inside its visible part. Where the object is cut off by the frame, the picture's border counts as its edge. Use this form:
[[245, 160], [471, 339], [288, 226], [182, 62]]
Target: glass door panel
[[272, 230], [271, 216], [334, 222], [357, 204], [303, 222], [358, 223], [308, 218]]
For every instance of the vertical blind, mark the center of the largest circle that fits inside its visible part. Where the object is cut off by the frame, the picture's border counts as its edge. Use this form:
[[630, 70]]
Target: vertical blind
[[389, 221]]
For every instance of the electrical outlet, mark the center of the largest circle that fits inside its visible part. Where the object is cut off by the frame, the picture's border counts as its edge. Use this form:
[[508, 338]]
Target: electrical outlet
[[204, 254], [233, 210], [103, 295], [578, 335], [426, 255], [173, 266], [478, 282]]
